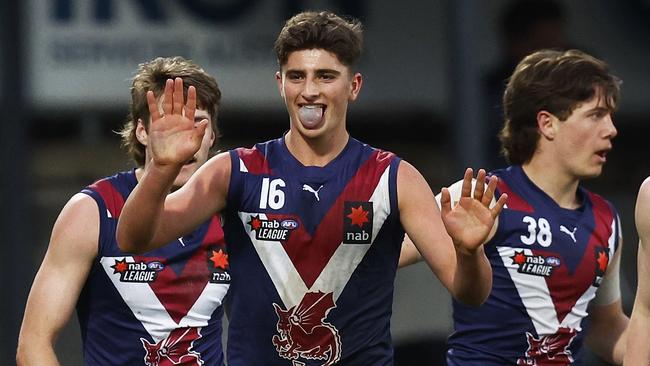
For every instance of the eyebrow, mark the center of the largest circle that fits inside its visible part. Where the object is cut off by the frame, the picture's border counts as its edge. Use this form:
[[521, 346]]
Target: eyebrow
[[327, 71], [317, 72], [598, 109]]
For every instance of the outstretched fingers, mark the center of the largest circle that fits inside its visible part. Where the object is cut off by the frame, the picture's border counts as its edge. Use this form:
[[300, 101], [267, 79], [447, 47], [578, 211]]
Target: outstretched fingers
[[479, 188], [488, 196], [178, 99], [445, 201], [154, 112], [466, 190], [168, 97], [190, 106], [496, 210]]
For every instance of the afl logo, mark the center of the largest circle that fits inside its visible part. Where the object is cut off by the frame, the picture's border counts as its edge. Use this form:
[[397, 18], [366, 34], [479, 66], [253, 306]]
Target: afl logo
[[553, 261], [289, 224], [155, 266]]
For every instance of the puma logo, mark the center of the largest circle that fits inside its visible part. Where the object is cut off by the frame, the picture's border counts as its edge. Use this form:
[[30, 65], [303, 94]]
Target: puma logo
[[306, 187], [181, 241], [572, 234]]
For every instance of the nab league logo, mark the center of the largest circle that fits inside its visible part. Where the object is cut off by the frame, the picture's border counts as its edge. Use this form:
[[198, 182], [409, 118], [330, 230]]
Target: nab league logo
[[137, 271], [272, 229], [549, 349], [218, 264], [174, 350], [357, 222], [602, 260], [303, 332], [535, 264]]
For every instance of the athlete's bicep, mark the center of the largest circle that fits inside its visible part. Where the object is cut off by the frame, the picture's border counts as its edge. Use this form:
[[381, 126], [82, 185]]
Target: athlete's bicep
[[642, 220], [58, 283], [420, 217]]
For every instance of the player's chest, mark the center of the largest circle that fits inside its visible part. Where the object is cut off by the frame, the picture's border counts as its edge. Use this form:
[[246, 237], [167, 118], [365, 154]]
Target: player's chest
[[542, 244]]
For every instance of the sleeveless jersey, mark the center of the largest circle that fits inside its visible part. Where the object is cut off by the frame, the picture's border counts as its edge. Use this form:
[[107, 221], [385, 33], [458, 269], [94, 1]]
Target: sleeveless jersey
[[313, 256], [547, 265], [161, 308]]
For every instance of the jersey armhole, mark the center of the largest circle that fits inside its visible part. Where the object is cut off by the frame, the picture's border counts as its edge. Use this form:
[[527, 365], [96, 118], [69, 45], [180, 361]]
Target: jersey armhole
[[105, 231]]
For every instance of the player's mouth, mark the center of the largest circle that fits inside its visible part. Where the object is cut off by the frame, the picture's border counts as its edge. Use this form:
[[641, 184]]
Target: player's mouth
[[311, 115], [602, 155]]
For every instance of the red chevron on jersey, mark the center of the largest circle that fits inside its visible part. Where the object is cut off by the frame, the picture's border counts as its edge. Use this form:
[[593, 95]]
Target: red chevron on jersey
[[565, 293], [294, 272], [360, 188], [253, 161], [515, 202], [112, 198], [178, 303], [160, 299]]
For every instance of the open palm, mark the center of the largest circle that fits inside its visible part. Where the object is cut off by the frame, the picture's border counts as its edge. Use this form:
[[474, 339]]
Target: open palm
[[174, 136], [470, 220]]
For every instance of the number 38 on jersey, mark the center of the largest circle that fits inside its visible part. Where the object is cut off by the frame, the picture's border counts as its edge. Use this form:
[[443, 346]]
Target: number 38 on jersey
[[539, 231]]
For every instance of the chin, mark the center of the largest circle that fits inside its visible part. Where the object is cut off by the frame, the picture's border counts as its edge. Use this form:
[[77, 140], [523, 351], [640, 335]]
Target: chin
[[593, 173]]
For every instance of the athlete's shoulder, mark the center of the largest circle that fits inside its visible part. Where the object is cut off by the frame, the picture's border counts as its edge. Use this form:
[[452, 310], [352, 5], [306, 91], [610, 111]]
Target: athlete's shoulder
[[376, 153], [599, 202], [255, 159]]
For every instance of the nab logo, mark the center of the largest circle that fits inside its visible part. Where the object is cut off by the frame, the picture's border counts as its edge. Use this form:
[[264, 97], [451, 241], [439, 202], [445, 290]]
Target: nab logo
[[218, 264], [272, 229], [137, 271], [535, 264], [357, 222], [602, 261]]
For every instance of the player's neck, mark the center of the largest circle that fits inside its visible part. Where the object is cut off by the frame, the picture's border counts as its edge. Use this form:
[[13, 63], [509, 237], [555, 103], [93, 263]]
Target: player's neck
[[316, 151], [551, 179]]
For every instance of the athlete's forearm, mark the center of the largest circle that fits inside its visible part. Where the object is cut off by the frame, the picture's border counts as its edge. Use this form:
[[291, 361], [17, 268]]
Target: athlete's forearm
[[638, 333], [638, 347], [35, 352], [473, 278], [140, 218]]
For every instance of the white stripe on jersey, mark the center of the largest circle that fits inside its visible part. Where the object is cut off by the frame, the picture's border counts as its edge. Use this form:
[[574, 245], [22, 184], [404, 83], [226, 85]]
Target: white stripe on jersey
[[535, 295], [338, 270], [146, 307], [533, 292]]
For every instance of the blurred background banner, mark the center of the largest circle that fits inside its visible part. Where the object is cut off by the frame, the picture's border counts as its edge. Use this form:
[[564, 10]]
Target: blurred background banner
[[74, 46]]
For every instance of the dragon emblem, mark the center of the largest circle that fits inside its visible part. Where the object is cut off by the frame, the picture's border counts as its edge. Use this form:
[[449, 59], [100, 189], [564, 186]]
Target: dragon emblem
[[549, 349], [302, 332], [176, 349]]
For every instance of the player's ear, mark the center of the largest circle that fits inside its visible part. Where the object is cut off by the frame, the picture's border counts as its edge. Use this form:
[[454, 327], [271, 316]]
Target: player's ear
[[547, 124], [278, 79], [141, 133], [355, 85]]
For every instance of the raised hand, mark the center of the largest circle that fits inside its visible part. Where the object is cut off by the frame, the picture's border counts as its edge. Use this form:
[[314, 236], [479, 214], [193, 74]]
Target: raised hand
[[174, 136], [470, 220]]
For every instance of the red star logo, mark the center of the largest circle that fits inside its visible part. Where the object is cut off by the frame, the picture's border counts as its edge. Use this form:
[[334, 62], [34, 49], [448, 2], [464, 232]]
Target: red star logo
[[120, 266], [519, 258], [602, 261], [219, 259], [255, 223], [358, 216]]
